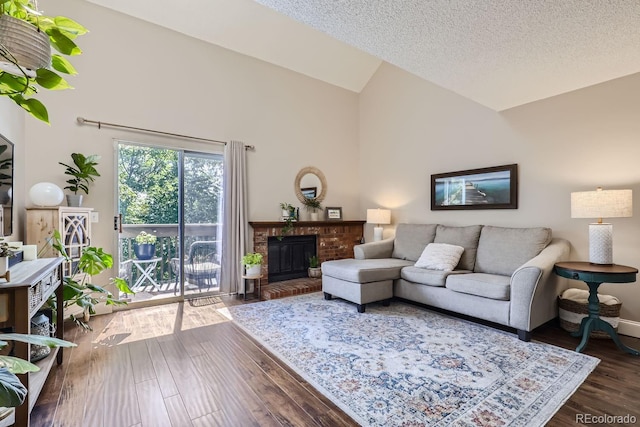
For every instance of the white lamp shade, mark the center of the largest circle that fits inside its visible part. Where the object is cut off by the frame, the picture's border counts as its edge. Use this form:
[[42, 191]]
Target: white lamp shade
[[378, 216], [46, 194], [602, 204]]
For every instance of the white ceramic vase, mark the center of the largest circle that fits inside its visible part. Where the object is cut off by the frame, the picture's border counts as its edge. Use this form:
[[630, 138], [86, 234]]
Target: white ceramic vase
[[253, 270]]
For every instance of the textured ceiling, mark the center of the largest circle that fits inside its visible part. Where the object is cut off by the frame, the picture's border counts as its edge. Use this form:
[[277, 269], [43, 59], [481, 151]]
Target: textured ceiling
[[500, 53]]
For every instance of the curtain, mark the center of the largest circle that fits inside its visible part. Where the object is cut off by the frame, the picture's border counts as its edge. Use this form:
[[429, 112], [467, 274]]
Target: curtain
[[235, 226]]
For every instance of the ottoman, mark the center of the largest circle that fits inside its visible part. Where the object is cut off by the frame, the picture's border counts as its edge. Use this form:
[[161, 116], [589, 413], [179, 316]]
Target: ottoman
[[361, 281]]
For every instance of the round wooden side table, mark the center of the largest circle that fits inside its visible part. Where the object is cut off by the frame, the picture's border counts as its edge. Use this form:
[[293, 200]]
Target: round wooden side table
[[594, 275]]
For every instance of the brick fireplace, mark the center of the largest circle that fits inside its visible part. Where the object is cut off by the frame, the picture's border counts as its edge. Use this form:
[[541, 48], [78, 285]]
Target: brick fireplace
[[334, 239]]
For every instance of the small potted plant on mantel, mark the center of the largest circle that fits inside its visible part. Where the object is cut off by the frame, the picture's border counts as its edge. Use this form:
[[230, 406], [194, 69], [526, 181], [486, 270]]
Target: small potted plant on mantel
[[252, 264], [83, 173], [312, 205]]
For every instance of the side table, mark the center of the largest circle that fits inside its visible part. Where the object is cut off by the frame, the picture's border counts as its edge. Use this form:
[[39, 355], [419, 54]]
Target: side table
[[594, 275], [146, 268], [257, 279]]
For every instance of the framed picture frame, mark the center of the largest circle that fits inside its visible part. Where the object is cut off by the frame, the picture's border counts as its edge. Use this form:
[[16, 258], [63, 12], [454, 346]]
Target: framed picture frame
[[485, 188], [309, 192], [334, 214]]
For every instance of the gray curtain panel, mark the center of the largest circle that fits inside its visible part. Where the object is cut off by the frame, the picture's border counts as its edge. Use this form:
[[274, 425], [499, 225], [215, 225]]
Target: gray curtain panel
[[235, 226]]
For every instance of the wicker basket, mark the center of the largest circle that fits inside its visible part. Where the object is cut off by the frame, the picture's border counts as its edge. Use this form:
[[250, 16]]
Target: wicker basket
[[28, 45], [572, 312]]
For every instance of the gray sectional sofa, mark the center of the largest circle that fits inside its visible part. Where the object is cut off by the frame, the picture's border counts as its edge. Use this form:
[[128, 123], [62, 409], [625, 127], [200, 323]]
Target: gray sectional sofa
[[504, 275]]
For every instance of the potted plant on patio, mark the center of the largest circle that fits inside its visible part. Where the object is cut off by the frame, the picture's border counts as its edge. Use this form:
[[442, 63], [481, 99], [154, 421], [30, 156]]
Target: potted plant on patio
[[252, 263], [145, 247], [26, 62], [83, 173], [315, 270]]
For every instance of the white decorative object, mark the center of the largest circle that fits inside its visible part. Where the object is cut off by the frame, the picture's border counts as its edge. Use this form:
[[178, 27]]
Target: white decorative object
[[254, 270], [29, 252], [4, 265], [46, 194], [601, 204], [440, 256], [378, 217]]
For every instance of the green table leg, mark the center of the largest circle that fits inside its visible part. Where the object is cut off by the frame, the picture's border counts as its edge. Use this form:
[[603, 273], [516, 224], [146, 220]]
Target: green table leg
[[594, 323]]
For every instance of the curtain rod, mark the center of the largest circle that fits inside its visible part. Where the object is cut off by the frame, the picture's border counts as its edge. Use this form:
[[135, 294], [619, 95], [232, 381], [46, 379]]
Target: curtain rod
[[83, 121]]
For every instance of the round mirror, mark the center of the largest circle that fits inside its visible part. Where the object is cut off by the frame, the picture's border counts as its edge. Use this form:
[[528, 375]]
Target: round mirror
[[310, 183]]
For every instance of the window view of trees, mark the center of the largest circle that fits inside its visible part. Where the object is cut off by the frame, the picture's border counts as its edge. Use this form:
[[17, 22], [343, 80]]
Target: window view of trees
[[148, 185]]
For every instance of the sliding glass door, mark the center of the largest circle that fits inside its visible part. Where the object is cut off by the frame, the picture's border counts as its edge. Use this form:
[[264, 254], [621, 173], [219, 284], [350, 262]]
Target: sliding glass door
[[170, 203]]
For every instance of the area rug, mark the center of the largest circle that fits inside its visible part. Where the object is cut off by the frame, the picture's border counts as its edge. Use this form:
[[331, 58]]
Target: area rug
[[405, 365]]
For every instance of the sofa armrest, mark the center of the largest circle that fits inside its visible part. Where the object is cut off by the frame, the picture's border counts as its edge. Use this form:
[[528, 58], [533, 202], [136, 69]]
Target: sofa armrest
[[380, 249], [535, 287]]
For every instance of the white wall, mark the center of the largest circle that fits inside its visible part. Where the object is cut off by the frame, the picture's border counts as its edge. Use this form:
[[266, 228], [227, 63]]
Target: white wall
[[139, 74], [12, 125], [410, 129]]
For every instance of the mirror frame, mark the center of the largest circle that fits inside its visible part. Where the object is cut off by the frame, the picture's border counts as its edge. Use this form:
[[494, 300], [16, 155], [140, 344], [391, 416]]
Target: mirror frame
[[318, 173]]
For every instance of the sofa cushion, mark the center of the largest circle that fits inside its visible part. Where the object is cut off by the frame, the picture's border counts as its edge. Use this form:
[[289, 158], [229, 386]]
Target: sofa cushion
[[502, 250], [364, 270], [440, 256], [411, 240], [467, 237], [424, 276], [480, 284]]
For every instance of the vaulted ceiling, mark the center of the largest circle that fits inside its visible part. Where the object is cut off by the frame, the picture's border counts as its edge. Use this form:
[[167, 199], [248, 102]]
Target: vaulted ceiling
[[499, 53]]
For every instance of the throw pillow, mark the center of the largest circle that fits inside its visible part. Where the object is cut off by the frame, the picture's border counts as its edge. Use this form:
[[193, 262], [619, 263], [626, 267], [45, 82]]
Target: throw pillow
[[440, 256]]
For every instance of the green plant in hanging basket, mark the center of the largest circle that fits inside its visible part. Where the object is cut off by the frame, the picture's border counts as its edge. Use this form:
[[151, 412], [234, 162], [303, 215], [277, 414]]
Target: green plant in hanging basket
[[26, 62]]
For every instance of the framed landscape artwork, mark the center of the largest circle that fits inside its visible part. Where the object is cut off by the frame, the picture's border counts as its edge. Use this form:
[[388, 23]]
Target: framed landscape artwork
[[486, 188]]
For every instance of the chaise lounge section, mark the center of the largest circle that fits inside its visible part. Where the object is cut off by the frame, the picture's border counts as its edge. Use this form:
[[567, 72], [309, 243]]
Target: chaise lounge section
[[499, 274]]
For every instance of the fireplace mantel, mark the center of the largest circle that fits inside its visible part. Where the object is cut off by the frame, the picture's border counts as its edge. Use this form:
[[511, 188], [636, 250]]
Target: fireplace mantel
[[336, 239]]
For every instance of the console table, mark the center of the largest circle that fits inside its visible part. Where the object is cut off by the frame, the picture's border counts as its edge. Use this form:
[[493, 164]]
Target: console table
[[31, 285], [594, 275]]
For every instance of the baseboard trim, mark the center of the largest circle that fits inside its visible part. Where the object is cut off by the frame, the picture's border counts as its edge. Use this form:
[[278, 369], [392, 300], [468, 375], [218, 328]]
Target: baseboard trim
[[629, 327]]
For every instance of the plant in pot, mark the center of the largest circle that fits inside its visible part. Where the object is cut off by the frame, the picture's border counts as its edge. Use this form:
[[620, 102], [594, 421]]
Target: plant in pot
[[145, 247], [6, 252], [312, 205], [26, 62], [83, 173], [314, 267], [289, 217], [252, 263]]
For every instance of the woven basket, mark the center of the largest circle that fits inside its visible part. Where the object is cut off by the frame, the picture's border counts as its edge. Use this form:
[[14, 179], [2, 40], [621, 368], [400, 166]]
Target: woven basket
[[25, 42], [582, 309]]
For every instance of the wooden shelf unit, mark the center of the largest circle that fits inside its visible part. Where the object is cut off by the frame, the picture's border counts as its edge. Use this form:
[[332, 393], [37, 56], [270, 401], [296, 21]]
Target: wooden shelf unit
[[31, 285], [73, 224]]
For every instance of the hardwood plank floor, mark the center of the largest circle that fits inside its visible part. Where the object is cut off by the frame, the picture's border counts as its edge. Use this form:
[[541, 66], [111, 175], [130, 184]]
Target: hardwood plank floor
[[187, 365]]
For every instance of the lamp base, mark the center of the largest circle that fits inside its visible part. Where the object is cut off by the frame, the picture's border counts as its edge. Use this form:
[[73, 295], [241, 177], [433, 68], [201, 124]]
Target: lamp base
[[601, 243], [377, 234]]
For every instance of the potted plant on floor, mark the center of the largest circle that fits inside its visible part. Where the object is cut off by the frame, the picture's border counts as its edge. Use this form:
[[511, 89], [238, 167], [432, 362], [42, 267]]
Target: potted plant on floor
[[83, 173], [312, 205], [315, 270], [252, 264], [26, 62], [145, 247]]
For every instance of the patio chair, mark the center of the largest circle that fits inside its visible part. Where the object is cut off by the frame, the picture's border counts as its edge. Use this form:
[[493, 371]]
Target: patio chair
[[201, 266]]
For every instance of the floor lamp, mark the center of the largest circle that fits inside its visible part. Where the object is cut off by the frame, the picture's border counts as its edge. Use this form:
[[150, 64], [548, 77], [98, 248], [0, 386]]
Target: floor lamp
[[601, 204], [378, 217]]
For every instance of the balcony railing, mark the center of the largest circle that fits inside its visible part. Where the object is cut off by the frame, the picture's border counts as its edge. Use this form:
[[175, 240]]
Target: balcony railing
[[166, 246]]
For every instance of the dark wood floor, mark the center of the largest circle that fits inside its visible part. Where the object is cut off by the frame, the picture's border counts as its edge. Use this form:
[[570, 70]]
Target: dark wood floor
[[187, 365]]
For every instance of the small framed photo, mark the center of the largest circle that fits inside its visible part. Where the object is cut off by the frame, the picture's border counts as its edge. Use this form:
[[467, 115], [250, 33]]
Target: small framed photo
[[334, 214]]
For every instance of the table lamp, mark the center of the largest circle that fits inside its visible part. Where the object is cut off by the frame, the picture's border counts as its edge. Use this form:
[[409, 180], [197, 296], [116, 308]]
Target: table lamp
[[601, 204], [378, 217]]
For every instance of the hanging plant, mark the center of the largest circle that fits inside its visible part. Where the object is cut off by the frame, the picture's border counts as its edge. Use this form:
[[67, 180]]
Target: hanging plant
[[26, 62]]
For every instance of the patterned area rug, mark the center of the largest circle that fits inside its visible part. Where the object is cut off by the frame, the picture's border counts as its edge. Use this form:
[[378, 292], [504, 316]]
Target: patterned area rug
[[404, 365]]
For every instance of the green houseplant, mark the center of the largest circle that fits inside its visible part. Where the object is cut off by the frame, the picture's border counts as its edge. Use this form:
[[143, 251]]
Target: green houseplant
[[83, 172], [288, 216], [145, 247], [12, 391], [252, 262], [77, 290], [312, 205], [26, 39], [314, 267]]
